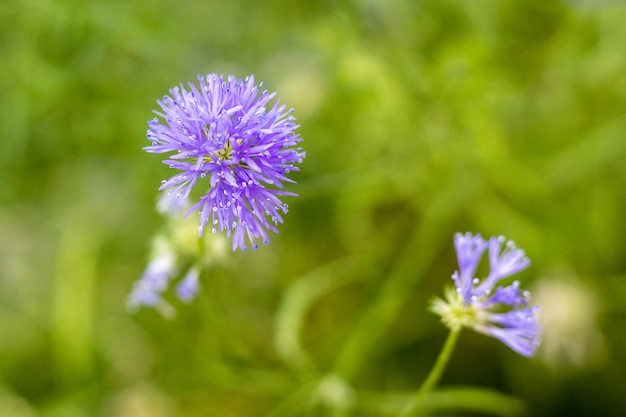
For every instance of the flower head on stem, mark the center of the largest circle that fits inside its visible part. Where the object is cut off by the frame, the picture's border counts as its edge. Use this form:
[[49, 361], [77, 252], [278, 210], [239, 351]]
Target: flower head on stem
[[502, 312], [227, 133]]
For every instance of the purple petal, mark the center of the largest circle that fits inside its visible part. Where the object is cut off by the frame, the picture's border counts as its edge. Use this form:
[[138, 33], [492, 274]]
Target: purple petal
[[523, 340], [469, 251], [511, 295], [501, 265]]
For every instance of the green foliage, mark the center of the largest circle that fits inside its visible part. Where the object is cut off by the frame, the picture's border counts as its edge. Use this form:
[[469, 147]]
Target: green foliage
[[420, 119]]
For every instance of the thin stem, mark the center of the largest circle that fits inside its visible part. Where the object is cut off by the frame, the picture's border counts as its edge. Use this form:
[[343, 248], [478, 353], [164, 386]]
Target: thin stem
[[434, 376]]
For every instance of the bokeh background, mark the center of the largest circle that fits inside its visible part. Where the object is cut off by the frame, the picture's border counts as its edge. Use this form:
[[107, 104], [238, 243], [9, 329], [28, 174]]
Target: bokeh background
[[420, 119]]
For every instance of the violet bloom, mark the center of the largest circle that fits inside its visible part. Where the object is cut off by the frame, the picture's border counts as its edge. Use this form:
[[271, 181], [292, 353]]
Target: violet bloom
[[188, 287], [501, 312], [155, 279], [226, 137]]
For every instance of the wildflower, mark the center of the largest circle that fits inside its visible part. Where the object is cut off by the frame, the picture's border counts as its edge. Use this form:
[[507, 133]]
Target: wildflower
[[156, 277], [500, 312], [187, 288], [178, 258], [163, 268], [226, 133]]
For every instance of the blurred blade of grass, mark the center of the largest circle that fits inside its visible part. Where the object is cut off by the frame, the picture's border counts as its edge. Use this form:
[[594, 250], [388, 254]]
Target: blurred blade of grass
[[294, 402], [472, 400], [11, 404], [409, 269], [602, 147], [296, 302], [72, 319]]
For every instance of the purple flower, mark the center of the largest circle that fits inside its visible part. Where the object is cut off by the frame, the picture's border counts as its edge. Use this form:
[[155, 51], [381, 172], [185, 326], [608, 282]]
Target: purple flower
[[155, 280], [154, 283], [187, 288], [226, 137], [501, 312]]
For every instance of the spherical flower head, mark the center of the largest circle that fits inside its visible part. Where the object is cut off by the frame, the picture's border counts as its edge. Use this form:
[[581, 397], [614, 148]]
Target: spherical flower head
[[500, 312], [227, 138]]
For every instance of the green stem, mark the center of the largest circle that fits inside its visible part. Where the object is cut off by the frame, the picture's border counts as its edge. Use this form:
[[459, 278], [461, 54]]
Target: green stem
[[434, 376]]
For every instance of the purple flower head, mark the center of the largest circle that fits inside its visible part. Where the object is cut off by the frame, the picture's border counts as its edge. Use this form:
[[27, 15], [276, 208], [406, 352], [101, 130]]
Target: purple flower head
[[226, 137], [151, 289], [501, 312], [188, 287], [154, 280]]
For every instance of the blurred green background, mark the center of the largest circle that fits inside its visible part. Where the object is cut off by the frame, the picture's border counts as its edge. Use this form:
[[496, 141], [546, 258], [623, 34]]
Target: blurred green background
[[420, 119]]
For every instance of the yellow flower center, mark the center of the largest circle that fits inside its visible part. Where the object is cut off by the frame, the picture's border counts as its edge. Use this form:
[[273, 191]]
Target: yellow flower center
[[454, 312]]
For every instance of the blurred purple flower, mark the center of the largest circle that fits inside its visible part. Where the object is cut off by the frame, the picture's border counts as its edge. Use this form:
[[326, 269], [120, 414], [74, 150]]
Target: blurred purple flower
[[188, 287], [500, 312], [154, 281], [149, 290], [227, 132]]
